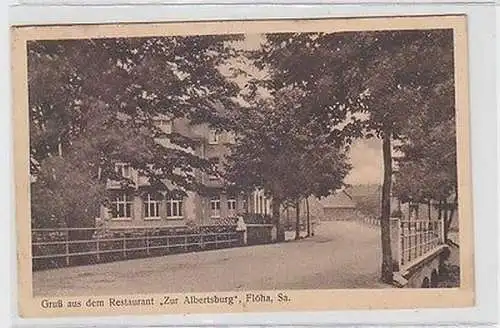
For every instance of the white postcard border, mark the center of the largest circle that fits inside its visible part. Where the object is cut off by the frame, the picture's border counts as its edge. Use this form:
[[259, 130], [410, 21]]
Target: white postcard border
[[474, 150]]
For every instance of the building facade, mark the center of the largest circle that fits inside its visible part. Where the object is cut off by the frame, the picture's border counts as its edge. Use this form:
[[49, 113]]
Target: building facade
[[144, 207]]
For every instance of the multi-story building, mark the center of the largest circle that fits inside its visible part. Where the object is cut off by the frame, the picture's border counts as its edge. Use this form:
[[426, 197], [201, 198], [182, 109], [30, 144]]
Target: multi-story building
[[153, 208]]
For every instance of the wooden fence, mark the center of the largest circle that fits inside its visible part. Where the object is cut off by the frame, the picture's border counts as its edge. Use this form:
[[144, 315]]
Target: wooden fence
[[52, 248]]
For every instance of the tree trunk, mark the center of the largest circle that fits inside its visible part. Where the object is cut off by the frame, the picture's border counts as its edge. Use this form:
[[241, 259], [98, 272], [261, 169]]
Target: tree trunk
[[297, 220], [247, 203], [449, 219], [265, 206], [308, 218], [288, 224], [429, 210], [446, 216], [387, 265], [276, 219], [446, 208], [447, 224]]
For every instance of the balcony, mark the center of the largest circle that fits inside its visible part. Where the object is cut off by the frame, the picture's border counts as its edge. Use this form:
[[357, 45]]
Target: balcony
[[137, 181], [112, 184]]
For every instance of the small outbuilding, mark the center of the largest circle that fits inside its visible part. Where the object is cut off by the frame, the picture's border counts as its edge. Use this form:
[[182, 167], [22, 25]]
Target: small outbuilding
[[339, 207]]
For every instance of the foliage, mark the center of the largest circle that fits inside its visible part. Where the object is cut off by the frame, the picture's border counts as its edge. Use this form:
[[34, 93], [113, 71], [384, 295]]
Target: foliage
[[396, 214], [367, 198], [427, 169], [95, 102], [282, 150], [256, 218], [64, 190], [385, 76]]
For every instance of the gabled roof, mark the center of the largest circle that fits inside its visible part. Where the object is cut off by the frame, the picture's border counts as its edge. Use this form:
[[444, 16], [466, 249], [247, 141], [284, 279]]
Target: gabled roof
[[341, 199]]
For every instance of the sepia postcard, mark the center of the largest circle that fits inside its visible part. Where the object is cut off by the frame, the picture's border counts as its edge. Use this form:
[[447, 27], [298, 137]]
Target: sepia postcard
[[242, 166]]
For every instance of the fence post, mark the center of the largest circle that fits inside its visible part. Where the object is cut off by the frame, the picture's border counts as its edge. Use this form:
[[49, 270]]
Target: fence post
[[185, 243], [395, 235], [97, 249], [146, 237], [241, 229], [124, 247], [442, 237], [67, 247]]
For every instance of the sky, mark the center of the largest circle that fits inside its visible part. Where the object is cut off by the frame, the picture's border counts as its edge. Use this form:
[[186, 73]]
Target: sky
[[366, 161], [365, 155]]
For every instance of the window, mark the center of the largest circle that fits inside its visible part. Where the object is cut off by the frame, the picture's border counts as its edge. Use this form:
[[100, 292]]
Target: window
[[174, 208], [121, 207], [123, 169], [215, 207], [151, 207], [213, 137], [231, 207], [164, 125]]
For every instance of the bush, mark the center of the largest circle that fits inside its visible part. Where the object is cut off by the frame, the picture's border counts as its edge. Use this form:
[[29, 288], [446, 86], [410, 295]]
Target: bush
[[449, 276], [254, 218], [367, 199]]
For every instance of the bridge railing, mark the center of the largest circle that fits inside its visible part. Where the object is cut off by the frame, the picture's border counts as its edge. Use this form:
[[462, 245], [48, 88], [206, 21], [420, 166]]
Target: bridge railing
[[414, 239]]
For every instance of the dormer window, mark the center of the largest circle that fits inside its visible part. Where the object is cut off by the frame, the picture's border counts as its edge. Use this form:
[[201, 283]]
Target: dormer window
[[123, 169], [213, 137], [165, 125]]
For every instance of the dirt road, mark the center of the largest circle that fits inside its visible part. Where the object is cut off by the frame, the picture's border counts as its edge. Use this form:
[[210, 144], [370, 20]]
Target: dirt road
[[340, 255]]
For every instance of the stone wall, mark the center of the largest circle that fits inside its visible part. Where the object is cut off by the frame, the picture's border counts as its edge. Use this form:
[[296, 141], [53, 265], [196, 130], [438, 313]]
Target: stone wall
[[426, 275]]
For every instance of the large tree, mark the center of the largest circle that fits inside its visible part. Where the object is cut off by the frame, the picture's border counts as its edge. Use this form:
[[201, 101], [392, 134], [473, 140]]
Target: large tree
[[94, 101], [282, 149], [384, 75], [427, 167]]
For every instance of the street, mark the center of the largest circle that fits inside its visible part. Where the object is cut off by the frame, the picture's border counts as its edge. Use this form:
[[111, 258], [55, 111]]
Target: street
[[341, 255]]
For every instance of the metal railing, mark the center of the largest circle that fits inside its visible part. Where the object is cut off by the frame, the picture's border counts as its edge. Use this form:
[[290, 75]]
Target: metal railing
[[77, 246], [418, 238]]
